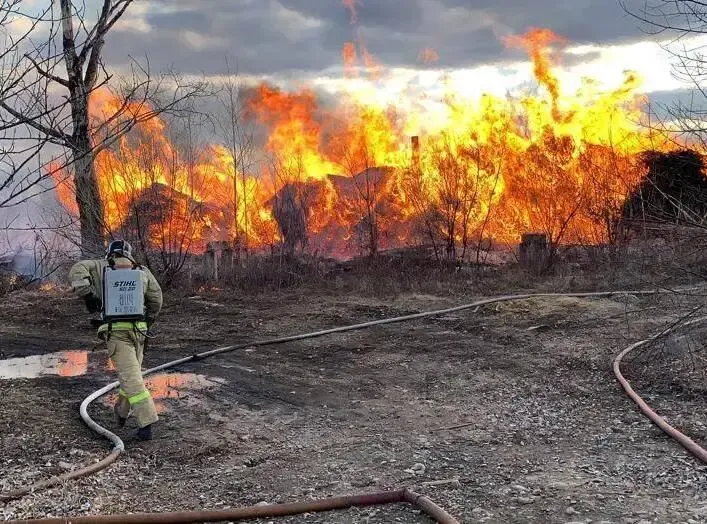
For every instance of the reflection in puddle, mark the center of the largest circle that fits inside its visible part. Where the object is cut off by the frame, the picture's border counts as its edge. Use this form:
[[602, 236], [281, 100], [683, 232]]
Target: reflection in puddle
[[63, 363], [172, 386]]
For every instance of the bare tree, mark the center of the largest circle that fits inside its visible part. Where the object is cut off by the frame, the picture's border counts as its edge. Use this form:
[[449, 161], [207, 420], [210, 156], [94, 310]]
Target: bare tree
[[488, 171], [546, 195], [22, 173], [680, 22], [458, 172], [155, 195], [21, 168], [33, 101], [609, 177], [363, 192], [237, 133], [417, 195], [454, 192]]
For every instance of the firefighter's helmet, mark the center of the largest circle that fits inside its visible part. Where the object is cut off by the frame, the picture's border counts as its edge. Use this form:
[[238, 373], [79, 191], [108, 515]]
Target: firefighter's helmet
[[119, 247]]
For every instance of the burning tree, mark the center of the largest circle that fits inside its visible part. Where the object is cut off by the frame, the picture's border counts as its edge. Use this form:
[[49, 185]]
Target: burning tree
[[464, 186], [609, 177], [362, 193], [366, 182], [168, 191], [547, 195], [31, 101], [237, 133]]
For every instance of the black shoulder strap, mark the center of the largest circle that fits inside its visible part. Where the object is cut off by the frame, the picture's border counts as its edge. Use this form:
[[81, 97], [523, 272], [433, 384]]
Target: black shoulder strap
[[103, 293]]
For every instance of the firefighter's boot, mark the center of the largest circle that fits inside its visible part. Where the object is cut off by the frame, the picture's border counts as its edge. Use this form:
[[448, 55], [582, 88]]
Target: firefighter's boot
[[144, 433]]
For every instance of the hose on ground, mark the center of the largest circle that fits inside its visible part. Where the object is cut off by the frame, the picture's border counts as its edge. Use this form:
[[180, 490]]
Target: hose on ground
[[118, 446], [685, 441], [270, 511]]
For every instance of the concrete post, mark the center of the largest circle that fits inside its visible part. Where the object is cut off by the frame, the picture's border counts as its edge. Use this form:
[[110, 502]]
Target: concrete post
[[226, 261], [211, 262]]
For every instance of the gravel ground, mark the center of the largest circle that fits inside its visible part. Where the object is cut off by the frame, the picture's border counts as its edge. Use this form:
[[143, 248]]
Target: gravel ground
[[514, 406]]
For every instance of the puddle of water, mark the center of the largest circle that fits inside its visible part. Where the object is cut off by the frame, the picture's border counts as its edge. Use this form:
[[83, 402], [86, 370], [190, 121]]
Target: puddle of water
[[174, 386], [63, 364]]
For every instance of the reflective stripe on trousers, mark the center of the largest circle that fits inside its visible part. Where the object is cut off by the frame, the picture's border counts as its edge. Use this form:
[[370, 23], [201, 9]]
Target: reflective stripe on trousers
[[135, 399]]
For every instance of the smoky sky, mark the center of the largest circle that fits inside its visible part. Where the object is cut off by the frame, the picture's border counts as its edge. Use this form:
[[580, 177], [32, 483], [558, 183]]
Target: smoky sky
[[293, 38]]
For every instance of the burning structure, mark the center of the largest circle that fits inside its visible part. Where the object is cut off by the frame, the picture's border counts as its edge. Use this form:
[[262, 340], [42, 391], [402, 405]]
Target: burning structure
[[347, 180], [363, 220]]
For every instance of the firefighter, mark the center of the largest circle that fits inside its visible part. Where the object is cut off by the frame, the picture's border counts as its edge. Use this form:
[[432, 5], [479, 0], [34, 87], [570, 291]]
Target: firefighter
[[125, 339]]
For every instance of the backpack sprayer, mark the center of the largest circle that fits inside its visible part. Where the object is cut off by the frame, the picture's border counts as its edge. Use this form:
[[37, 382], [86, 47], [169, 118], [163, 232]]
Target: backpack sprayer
[[123, 295], [123, 289]]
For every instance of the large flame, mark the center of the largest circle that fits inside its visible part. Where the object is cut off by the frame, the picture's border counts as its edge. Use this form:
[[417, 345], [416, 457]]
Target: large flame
[[347, 175], [538, 43]]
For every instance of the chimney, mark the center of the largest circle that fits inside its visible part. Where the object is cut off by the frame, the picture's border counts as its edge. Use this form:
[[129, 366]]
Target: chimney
[[416, 152]]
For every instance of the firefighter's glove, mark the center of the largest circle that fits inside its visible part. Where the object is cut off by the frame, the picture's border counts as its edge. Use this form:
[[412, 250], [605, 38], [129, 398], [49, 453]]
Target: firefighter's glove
[[93, 303]]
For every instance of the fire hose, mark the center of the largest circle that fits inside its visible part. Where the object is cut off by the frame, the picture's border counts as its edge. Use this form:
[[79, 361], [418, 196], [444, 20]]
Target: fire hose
[[682, 439], [322, 505], [270, 511]]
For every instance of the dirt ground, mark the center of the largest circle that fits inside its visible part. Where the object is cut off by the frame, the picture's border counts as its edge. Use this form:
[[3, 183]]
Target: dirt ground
[[548, 435]]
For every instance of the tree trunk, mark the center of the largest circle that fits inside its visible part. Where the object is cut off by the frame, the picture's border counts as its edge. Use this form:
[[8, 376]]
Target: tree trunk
[[88, 197], [451, 247], [236, 228], [372, 233], [245, 212], [89, 204]]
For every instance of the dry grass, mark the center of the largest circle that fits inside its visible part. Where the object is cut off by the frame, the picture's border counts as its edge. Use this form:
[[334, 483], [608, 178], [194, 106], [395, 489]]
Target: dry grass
[[669, 256], [644, 264]]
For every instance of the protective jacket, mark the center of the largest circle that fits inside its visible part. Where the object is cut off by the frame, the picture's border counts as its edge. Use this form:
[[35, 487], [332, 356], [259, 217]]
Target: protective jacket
[[86, 278]]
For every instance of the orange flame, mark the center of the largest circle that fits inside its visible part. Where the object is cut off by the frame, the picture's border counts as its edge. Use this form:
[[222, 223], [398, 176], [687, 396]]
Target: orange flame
[[350, 59], [492, 168], [48, 286], [356, 53], [537, 42]]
